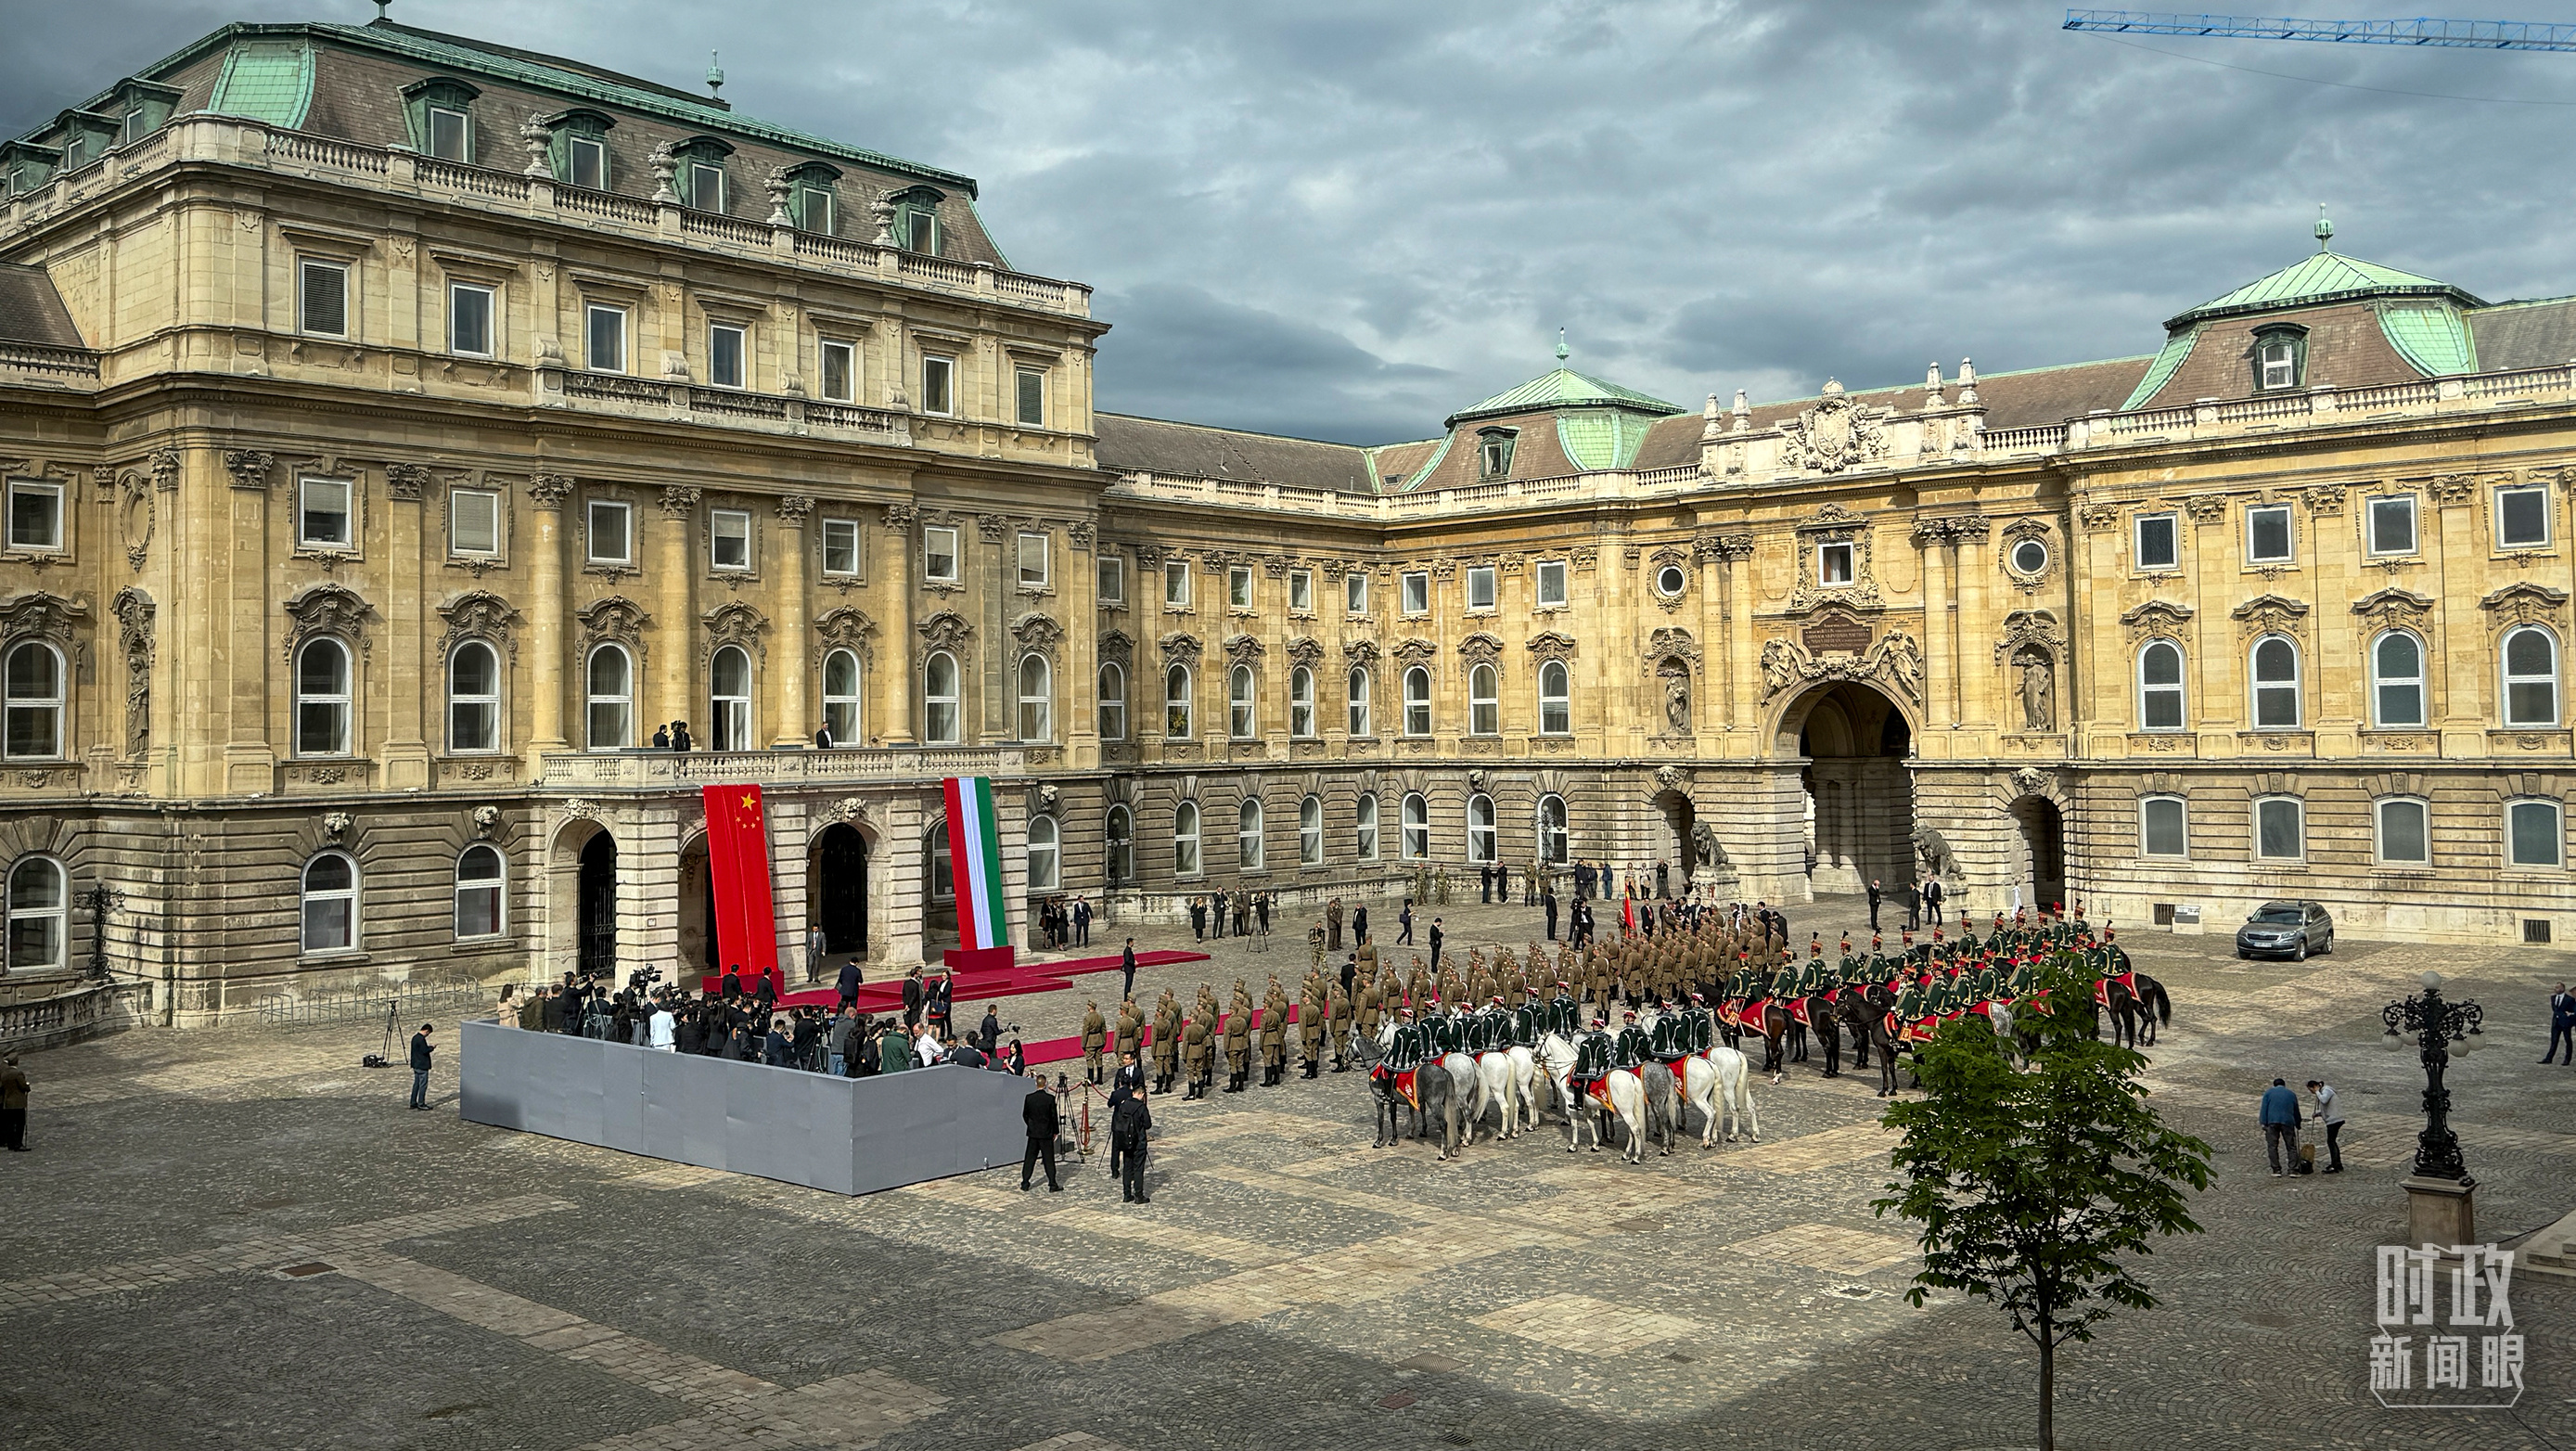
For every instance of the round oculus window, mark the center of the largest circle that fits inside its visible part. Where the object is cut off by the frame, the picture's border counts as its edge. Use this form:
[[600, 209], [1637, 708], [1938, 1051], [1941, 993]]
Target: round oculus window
[[2029, 557], [1669, 580]]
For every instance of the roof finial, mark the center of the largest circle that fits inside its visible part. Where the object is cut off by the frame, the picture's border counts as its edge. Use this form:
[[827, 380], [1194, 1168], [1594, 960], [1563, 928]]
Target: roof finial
[[715, 77], [1562, 351], [2324, 228], [383, 7]]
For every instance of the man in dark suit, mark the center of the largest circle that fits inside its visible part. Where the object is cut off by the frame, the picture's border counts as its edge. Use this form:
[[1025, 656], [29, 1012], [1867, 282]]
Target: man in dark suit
[[1038, 1111], [913, 995], [1436, 936], [848, 985], [1129, 1124], [1127, 967], [420, 1051], [1359, 924], [990, 1030], [1082, 922], [1873, 904], [2562, 1025], [1547, 899], [13, 1106], [1128, 1082]]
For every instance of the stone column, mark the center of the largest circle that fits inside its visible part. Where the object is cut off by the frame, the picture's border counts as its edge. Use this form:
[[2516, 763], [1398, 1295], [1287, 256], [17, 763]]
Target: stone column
[[1972, 629], [1743, 685], [788, 671], [677, 627], [250, 757], [1079, 685], [408, 742], [895, 643], [1940, 667], [1712, 703], [547, 667]]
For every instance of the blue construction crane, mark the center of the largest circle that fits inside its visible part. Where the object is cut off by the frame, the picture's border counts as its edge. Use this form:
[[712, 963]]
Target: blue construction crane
[[2422, 30]]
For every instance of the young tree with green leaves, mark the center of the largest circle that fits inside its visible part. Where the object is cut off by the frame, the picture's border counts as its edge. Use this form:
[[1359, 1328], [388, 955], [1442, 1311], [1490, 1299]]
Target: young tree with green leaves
[[2036, 1185]]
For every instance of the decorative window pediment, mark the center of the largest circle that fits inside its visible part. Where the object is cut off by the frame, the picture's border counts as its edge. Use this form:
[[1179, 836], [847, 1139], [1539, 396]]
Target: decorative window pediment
[[2271, 614], [328, 609], [735, 624], [1552, 645], [1416, 651], [613, 618], [1305, 650], [1180, 649], [479, 615], [1242, 649], [946, 630], [1482, 648], [2392, 607], [2156, 617], [2525, 603], [846, 628]]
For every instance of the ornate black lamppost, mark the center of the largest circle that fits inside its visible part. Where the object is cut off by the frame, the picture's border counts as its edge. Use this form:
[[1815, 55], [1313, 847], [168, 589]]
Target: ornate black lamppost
[[98, 901], [2439, 1208]]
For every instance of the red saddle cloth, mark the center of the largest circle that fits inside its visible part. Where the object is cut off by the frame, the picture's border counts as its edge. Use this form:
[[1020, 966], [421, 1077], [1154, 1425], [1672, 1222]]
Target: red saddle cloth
[[1405, 1084], [1798, 1011], [2128, 982], [1598, 1090], [1893, 1028]]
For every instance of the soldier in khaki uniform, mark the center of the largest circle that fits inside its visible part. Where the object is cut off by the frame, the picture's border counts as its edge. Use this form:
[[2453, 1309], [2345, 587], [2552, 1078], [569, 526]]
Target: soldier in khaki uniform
[[1337, 1016], [1095, 1039], [1315, 946], [1167, 1042], [1131, 1028], [1274, 1036], [1310, 1028], [1238, 1039], [1201, 1052]]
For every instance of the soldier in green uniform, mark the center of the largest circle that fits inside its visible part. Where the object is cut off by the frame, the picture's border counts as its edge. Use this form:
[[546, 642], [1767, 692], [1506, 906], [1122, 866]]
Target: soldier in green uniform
[[1095, 1038], [1632, 1047]]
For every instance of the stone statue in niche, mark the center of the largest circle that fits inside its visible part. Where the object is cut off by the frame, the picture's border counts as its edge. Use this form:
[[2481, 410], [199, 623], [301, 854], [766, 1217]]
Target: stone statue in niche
[[1677, 712], [138, 703], [2038, 692]]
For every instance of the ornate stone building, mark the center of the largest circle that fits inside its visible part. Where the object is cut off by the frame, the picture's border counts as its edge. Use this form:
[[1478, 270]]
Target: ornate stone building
[[400, 429]]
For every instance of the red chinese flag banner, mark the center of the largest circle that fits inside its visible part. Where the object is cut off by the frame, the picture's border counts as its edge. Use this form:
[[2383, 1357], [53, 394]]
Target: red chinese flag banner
[[746, 926]]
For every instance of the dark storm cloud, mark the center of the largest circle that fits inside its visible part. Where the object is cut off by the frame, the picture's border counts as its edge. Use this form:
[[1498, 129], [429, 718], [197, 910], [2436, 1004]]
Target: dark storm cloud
[[1348, 219]]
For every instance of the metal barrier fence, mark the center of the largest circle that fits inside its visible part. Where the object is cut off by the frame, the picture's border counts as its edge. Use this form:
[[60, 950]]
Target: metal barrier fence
[[403, 1002]]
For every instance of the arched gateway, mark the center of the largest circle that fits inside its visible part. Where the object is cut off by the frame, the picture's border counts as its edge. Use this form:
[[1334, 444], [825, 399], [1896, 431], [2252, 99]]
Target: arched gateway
[[1856, 743]]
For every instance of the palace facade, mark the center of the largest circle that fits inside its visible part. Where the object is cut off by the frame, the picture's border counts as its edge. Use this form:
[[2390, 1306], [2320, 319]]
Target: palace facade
[[401, 430]]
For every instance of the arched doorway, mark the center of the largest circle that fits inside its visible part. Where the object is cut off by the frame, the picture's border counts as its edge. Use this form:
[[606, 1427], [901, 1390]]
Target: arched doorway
[[1859, 792], [2041, 849], [595, 906], [836, 894], [1674, 846], [697, 888]]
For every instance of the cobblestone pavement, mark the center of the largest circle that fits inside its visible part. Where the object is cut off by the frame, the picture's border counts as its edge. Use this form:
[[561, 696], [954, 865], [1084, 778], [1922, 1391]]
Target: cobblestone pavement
[[238, 1238]]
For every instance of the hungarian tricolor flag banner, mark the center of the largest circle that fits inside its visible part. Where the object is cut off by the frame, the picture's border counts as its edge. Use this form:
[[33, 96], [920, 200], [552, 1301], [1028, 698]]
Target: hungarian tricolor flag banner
[[746, 926], [975, 860]]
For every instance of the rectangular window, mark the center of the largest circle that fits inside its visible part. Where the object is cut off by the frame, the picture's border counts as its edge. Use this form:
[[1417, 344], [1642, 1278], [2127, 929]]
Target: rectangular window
[[1033, 561], [1355, 593], [1111, 580], [730, 533], [35, 514], [469, 320], [612, 535], [724, 355], [1480, 588], [1032, 400], [2267, 534], [1833, 564], [939, 555], [2158, 547], [2160, 827], [1176, 584], [2534, 833], [2392, 525], [706, 187], [841, 546], [473, 522], [921, 232], [2522, 517], [1417, 593], [938, 379], [450, 134], [2279, 831], [1551, 583], [1301, 590], [817, 206], [840, 372], [604, 339], [322, 298], [587, 158], [322, 513], [1238, 586], [2405, 833]]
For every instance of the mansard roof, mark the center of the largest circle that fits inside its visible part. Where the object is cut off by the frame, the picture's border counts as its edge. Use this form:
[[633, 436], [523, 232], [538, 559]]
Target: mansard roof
[[1558, 388], [2325, 277], [31, 311], [1127, 444]]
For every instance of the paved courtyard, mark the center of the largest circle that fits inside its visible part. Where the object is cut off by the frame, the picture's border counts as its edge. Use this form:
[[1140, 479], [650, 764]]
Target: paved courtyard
[[239, 1238]]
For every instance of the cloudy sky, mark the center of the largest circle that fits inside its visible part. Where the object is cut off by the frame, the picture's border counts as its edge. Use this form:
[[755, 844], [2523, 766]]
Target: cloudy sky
[[1346, 218]]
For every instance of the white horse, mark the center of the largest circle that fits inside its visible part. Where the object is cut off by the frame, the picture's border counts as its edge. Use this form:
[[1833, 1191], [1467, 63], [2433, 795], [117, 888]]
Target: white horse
[[1627, 1093], [1721, 1080], [1553, 1062], [1498, 1081]]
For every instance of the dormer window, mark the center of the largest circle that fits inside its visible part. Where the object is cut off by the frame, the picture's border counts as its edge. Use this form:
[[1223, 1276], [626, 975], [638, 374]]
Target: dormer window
[[25, 166], [579, 147], [441, 113], [812, 202], [706, 189], [2280, 358], [916, 220], [86, 135], [1494, 453], [141, 107], [701, 175]]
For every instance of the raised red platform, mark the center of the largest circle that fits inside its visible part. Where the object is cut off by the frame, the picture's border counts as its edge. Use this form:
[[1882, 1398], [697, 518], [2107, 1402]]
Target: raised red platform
[[973, 985]]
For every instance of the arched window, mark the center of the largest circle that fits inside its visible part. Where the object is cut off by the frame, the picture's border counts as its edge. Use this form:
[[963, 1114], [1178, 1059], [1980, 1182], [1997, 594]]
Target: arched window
[[1238, 703], [1366, 838], [322, 699], [2162, 827], [1037, 699], [330, 903], [841, 696], [478, 892], [2405, 831], [1042, 853], [1480, 828], [2160, 686], [1301, 703], [1176, 703], [729, 695], [1247, 835], [1359, 698], [1553, 840], [1310, 832], [1417, 701], [1484, 711], [939, 869], [1185, 839], [2530, 677], [2397, 680], [2533, 831], [474, 698], [38, 927], [1416, 842], [2276, 683], [1113, 703], [611, 710], [939, 699], [1555, 699], [35, 705], [1122, 845], [2280, 828]]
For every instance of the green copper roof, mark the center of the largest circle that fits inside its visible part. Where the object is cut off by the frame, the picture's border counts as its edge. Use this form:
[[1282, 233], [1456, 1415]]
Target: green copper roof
[[1414, 480], [1601, 438], [2177, 348], [2323, 277], [267, 81], [1563, 388], [2434, 339]]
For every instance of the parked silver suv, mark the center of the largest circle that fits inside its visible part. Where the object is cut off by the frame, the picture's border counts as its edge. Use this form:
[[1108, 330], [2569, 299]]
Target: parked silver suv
[[2286, 929]]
